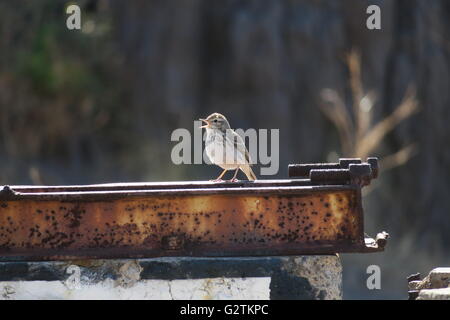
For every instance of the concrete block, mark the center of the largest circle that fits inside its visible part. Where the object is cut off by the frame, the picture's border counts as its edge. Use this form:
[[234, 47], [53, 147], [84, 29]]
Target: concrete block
[[434, 294], [293, 277], [440, 277]]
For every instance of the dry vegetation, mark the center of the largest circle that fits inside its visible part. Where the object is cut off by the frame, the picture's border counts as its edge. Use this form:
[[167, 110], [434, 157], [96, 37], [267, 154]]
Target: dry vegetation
[[360, 135]]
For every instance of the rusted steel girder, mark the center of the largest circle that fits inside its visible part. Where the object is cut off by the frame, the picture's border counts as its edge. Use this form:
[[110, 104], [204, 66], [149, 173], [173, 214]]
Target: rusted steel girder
[[266, 217]]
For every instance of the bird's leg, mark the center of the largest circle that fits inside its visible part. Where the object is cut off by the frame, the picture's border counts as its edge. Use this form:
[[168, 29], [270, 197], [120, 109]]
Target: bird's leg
[[219, 178], [235, 174]]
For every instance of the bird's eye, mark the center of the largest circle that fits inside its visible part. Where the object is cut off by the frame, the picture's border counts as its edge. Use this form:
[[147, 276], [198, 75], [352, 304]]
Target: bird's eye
[[215, 120]]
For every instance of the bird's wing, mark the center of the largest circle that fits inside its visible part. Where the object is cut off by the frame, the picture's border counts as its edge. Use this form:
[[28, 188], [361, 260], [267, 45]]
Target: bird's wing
[[243, 155]]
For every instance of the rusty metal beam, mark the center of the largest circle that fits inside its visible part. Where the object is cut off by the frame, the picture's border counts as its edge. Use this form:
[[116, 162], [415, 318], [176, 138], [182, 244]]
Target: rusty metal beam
[[273, 217]]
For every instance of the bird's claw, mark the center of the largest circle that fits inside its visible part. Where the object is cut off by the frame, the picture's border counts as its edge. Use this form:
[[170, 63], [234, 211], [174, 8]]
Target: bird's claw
[[233, 180]]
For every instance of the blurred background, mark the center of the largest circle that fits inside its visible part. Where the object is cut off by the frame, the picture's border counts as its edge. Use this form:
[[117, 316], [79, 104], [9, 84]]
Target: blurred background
[[99, 104]]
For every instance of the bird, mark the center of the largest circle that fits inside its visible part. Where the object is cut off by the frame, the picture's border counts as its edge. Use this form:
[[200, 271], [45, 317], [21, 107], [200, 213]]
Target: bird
[[225, 148]]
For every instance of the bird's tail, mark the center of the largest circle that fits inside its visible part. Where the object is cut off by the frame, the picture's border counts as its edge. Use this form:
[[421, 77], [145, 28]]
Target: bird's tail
[[248, 172]]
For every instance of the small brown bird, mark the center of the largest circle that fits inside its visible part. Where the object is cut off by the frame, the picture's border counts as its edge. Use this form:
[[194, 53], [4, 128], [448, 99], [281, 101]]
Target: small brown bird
[[225, 148]]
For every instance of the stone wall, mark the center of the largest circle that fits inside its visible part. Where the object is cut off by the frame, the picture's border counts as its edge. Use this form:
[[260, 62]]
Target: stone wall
[[296, 277]]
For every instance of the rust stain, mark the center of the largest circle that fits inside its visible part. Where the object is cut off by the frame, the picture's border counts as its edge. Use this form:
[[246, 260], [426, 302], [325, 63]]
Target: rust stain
[[317, 212], [179, 223]]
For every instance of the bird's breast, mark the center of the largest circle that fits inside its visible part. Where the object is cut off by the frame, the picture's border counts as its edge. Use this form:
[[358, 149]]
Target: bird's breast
[[222, 152]]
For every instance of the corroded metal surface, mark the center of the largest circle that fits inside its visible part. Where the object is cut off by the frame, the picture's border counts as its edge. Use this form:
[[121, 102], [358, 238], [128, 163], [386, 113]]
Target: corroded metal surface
[[297, 220], [272, 217]]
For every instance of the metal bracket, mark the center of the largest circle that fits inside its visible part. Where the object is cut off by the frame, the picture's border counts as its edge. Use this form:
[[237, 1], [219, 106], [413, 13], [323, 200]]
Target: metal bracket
[[347, 171]]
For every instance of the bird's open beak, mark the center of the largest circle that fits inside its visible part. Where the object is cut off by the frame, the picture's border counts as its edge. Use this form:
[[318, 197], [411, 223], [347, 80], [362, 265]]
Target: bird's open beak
[[206, 125]]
